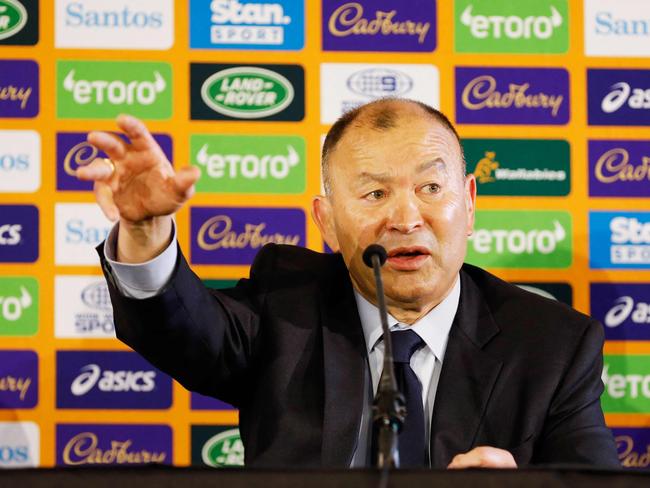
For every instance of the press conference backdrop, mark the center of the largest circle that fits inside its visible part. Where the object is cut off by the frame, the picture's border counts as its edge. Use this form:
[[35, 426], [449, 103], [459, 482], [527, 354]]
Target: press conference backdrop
[[551, 98]]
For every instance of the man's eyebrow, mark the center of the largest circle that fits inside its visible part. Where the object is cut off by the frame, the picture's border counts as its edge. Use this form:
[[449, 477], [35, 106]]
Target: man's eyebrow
[[430, 164], [380, 177]]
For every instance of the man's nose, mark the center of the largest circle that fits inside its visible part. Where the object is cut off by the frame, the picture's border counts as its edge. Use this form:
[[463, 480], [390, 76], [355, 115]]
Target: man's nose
[[405, 216]]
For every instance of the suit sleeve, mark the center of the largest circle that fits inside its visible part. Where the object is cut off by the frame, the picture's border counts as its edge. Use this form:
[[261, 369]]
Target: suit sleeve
[[205, 339], [574, 430]]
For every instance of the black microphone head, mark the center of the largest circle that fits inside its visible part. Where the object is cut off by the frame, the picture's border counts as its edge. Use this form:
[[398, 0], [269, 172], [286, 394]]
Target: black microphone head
[[371, 250]]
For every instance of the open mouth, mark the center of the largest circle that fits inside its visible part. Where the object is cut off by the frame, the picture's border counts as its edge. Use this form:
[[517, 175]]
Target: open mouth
[[407, 258]]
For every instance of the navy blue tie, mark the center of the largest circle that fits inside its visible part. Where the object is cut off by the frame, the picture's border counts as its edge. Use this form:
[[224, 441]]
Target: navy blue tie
[[412, 439]]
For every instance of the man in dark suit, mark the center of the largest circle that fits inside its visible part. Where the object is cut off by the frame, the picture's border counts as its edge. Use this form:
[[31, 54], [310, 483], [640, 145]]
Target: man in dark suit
[[495, 376]]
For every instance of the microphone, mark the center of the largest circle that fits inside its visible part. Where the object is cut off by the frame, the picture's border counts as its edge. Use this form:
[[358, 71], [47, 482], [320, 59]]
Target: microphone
[[389, 405]]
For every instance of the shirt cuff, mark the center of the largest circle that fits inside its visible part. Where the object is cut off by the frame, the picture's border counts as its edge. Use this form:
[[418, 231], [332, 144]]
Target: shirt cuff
[[141, 280]]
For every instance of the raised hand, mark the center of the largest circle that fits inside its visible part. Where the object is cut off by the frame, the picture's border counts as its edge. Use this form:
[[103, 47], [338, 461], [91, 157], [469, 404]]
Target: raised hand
[[139, 187], [141, 184]]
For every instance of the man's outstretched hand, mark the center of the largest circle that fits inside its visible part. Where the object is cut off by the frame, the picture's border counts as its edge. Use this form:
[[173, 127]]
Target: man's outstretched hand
[[142, 191]]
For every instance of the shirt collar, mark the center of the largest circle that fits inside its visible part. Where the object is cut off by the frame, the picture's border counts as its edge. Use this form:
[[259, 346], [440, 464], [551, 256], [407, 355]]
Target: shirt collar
[[433, 328]]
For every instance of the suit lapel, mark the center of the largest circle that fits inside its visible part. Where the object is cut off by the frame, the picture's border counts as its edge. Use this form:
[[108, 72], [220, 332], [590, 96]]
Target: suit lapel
[[467, 377], [344, 356]]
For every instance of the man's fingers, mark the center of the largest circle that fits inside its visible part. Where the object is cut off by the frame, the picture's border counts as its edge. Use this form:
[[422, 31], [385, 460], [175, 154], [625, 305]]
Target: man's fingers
[[483, 457], [109, 143], [184, 180], [141, 138], [104, 197], [98, 170]]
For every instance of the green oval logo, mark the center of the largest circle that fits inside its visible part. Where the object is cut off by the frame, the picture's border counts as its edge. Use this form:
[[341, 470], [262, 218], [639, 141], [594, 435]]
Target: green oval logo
[[13, 18], [224, 450], [247, 92]]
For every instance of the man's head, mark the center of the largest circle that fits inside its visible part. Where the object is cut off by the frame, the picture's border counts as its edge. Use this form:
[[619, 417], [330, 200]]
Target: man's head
[[394, 174]]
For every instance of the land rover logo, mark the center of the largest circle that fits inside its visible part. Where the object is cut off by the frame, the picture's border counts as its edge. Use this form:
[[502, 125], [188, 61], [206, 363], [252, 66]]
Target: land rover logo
[[13, 18], [247, 92], [224, 449]]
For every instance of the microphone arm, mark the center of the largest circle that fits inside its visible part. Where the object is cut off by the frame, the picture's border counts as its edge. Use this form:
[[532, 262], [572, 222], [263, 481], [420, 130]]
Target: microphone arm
[[389, 406]]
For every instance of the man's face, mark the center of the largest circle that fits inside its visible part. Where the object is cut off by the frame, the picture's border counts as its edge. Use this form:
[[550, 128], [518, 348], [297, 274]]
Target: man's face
[[402, 188]]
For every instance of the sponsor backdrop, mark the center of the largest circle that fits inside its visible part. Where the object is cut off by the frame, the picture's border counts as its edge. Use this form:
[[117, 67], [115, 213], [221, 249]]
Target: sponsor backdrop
[[551, 98]]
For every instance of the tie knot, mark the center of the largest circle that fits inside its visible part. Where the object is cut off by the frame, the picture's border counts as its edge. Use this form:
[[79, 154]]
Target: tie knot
[[405, 343]]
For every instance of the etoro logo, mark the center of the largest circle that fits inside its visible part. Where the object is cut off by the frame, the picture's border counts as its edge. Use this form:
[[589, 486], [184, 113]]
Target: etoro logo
[[107, 88], [521, 239], [249, 164], [18, 306], [13, 17], [247, 92], [503, 26], [115, 92], [627, 384]]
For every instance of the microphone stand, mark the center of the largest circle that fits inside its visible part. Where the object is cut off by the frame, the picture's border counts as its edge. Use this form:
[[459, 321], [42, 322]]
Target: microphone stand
[[389, 406]]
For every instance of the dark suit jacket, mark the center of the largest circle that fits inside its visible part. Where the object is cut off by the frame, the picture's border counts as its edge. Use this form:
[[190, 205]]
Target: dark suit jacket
[[286, 347]]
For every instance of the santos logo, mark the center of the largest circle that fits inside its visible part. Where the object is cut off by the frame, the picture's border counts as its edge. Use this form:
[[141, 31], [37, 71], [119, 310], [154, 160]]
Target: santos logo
[[114, 24], [512, 27], [20, 160], [112, 381], [620, 28], [19, 445], [115, 92], [79, 228]]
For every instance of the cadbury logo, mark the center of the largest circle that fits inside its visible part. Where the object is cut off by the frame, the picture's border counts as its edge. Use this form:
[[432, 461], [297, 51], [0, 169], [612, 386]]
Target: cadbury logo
[[15, 384], [348, 20], [481, 93], [628, 456], [15, 93], [614, 165], [83, 449], [80, 155], [217, 233]]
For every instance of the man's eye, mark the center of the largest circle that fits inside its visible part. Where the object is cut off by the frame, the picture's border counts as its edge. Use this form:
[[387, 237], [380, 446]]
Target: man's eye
[[376, 195], [432, 188]]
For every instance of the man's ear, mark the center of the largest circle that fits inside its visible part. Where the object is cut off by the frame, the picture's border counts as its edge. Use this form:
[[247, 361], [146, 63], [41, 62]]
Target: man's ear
[[323, 215], [470, 202]]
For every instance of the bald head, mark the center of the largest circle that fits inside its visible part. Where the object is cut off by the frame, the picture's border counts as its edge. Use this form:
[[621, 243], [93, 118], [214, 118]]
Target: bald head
[[380, 115]]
